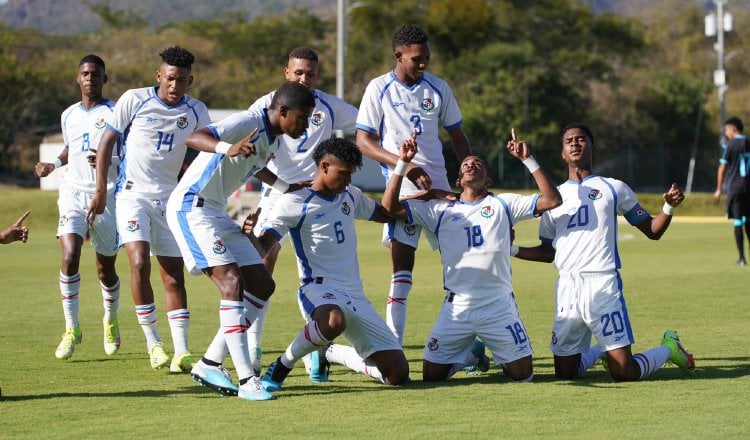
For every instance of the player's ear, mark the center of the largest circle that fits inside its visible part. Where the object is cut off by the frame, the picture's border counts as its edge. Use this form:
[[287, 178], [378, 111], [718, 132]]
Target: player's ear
[[324, 166], [158, 76], [283, 110], [190, 80], [397, 55], [105, 78]]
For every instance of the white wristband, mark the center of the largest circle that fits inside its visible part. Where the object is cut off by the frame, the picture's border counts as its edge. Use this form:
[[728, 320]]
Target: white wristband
[[531, 164], [400, 168], [222, 147], [667, 209], [115, 160], [57, 163], [280, 186], [513, 250]]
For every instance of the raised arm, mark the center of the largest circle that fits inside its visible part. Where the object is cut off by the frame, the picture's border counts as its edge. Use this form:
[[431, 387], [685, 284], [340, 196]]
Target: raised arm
[[544, 253], [460, 144], [391, 202], [654, 227], [204, 140], [549, 195], [368, 144]]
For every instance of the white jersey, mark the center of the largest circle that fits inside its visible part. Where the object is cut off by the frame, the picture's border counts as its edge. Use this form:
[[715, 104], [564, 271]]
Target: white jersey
[[153, 136], [293, 162], [394, 110], [474, 242], [323, 234], [81, 130], [583, 230], [211, 177]]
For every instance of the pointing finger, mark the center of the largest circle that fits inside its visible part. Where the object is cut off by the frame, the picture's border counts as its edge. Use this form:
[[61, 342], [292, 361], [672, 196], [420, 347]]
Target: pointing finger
[[22, 218]]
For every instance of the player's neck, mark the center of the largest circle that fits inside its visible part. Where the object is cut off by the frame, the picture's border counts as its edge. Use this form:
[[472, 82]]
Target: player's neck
[[407, 80], [471, 195], [90, 102], [578, 173]]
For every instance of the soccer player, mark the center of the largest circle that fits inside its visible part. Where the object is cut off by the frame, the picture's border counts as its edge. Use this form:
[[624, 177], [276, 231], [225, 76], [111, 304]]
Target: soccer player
[[734, 165], [320, 221], [83, 124], [292, 161], [474, 238], [153, 123], [16, 231], [394, 105], [212, 243], [581, 237]]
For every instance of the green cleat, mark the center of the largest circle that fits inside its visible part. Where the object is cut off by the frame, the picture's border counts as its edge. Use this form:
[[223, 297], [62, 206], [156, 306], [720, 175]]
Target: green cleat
[[111, 336], [158, 356], [70, 338], [680, 357], [183, 363], [483, 363]]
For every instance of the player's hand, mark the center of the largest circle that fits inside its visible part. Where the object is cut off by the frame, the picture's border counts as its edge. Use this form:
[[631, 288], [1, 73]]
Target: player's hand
[[674, 196], [16, 231], [299, 185], [518, 148], [408, 148], [96, 207], [91, 158], [244, 147], [717, 195], [250, 221], [44, 169], [419, 177]]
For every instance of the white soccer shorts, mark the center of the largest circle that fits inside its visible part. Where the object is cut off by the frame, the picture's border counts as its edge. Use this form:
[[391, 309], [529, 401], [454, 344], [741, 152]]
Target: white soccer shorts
[[73, 205], [143, 220]]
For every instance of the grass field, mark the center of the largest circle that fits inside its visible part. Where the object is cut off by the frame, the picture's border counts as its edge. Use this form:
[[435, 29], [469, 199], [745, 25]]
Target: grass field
[[687, 281]]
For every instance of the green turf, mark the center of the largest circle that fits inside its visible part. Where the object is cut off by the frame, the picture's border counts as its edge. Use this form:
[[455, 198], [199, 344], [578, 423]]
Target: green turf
[[686, 281]]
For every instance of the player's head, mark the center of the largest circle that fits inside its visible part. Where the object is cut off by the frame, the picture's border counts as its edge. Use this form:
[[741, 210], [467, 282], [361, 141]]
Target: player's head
[[732, 127], [294, 104], [337, 159], [91, 76], [473, 173], [303, 67], [174, 75], [578, 145], [411, 50]]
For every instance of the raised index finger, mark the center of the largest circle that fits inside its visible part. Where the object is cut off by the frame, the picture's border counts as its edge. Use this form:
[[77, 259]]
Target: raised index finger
[[22, 218], [252, 134], [513, 133]]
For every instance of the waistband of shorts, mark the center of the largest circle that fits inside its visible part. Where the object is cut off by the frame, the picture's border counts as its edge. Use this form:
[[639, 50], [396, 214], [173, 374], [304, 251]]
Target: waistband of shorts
[[313, 280], [586, 274], [449, 296]]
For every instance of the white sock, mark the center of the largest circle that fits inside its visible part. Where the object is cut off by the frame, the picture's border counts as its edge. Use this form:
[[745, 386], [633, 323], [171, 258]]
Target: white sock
[[232, 318], [110, 300], [307, 340], [218, 349], [69, 288], [395, 310], [348, 356], [255, 335], [253, 306], [651, 360], [589, 358], [146, 314], [179, 323]]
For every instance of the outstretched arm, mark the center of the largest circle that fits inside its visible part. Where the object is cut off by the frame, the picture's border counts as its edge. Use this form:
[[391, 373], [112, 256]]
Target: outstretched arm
[[391, 202], [544, 253], [368, 144], [550, 197], [654, 227], [460, 144], [265, 240]]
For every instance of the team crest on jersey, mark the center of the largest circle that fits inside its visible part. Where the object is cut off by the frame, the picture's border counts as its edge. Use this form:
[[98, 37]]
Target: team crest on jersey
[[428, 105], [182, 122], [595, 194], [318, 118], [63, 220], [345, 208], [487, 211], [410, 229], [100, 123], [132, 226], [219, 247], [433, 344]]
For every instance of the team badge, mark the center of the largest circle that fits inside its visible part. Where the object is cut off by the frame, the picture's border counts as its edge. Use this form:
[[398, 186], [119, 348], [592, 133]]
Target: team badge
[[595, 194], [487, 211], [219, 247], [132, 226], [640, 212], [554, 338], [100, 123], [345, 208], [63, 220], [410, 229], [433, 344], [427, 105], [182, 122], [318, 118]]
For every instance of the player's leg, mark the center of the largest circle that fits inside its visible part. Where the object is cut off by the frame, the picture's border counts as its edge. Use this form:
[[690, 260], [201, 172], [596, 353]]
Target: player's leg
[[571, 337], [403, 240], [500, 326], [735, 212], [258, 286], [70, 285], [110, 288]]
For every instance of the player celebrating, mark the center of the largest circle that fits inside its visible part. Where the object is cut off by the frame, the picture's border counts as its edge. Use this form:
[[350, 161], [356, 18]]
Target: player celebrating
[[735, 166], [393, 106], [292, 161], [474, 238], [16, 231], [153, 123], [320, 220], [83, 124], [581, 237]]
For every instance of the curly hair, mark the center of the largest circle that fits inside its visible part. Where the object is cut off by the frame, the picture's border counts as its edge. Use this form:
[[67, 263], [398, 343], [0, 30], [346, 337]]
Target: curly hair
[[304, 53], [293, 95], [342, 149], [93, 59], [409, 34], [579, 126], [178, 57], [737, 122]]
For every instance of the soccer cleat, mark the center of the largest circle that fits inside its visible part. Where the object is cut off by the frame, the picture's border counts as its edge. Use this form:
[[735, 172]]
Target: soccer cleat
[[741, 262], [680, 357], [256, 360], [275, 375], [254, 390], [67, 345], [182, 363], [158, 356], [111, 336], [483, 364], [319, 365], [216, 378]]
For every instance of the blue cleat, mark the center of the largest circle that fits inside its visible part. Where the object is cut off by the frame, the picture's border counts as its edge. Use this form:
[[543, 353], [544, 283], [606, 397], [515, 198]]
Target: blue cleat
[[275, 375], [319, 366], [216, 378], [483, 363]]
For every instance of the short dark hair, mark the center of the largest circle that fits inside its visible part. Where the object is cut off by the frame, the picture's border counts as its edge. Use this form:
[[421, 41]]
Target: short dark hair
[[737, 122], [579, 126], [178, 57], [93, 59], [342, 149], [409, 34], [304, 53], [293, 95]]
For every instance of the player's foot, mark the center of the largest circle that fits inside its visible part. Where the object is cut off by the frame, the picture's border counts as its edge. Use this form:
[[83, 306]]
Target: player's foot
[[254, 390], [741, 262], [680, 357], [216, 378], [67, 345], [256, 356], [275, 375], [158, 356], [182, 363], [483, 364], [319, 365], [111, 336]]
